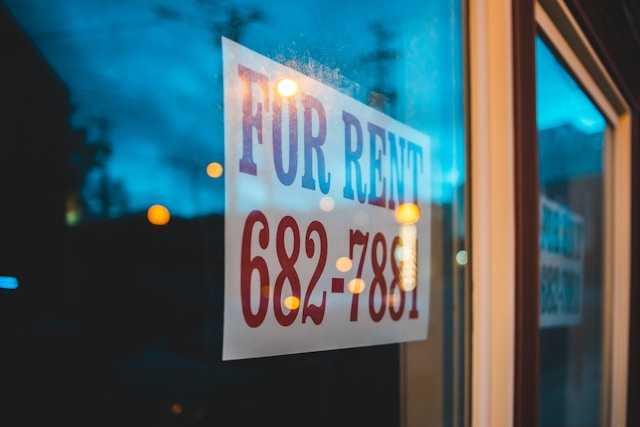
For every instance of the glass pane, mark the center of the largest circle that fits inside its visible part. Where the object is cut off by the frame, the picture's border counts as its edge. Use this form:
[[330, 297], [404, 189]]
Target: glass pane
[[112, 168], [571, 138]]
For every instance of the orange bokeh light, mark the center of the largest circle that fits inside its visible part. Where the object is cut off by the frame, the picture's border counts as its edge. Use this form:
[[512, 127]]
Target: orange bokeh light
[[292, 302], [356, 286], [407, 213], [176, 409], [158, 215], [215, 170]]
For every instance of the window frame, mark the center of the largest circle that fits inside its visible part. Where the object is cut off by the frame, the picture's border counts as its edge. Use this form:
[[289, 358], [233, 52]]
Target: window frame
[[492, 208], [559, 27], [504, 207]]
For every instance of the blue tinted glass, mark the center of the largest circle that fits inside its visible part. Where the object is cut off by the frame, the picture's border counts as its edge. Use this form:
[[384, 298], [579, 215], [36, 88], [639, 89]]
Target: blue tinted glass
[[571, 138], [116, 120], [144, 83], [565, 112]]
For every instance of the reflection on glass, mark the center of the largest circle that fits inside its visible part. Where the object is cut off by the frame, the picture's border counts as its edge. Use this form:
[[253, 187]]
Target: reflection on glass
[[287, 87], [409, 249], [571, 138], [119, 119], [344, 264], [356, 286], [127, 129], [158, 215], [291, 302], [8, 282], [214, 170], [461, 257], [407, 213], [176, 409]]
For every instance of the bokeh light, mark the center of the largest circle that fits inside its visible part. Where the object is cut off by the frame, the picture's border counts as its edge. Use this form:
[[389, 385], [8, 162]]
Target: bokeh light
[[292, 302], [409, 267], [73, 214], [72, 217], [356, 286], [215, 170], [344, 264], [176, 409], [158, 215], [461, 257], [407, 213], [408, 280], [287, 87]]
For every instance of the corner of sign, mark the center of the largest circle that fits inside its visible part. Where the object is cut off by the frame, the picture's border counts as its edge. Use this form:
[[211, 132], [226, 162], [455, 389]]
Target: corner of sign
[[227, 41]]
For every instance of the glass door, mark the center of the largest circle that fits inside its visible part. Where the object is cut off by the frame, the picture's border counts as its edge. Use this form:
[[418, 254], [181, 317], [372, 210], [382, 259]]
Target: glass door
[[572, 139], [116, 187]]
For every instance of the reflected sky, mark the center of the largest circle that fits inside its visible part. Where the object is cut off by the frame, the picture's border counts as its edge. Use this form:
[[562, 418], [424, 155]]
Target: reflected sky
[[571, 140], [151, 70], [560, 100], [570, 127]]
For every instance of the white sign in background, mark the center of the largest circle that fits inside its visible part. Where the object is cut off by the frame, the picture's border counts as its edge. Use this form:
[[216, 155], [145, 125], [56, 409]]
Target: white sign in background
[[312, 182], [561, 265]]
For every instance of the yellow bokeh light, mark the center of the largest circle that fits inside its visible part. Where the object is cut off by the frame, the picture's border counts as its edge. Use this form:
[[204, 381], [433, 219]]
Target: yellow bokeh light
[[158, 215], [408, 277], [408, 285], [407, 213], [287, 87], [214, 170], [344, 264], [292, 302], [356, 286]]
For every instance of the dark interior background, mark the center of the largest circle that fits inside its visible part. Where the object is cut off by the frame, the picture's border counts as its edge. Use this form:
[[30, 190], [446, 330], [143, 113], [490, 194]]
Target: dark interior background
[[141, 345]]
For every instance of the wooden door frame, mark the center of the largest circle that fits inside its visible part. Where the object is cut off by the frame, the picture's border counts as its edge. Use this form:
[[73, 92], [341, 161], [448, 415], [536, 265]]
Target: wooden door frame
[[554, 18]]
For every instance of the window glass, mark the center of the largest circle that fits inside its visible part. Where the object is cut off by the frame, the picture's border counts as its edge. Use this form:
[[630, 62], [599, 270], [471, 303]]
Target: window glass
[[571, 138], [112, 169]]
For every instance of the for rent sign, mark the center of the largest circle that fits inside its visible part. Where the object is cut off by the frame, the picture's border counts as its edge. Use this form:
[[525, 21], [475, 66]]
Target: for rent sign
[[327, 216]]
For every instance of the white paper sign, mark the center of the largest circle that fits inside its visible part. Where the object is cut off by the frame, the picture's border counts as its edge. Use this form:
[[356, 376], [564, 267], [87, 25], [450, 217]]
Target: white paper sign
[[318, 254], [561, 265]]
